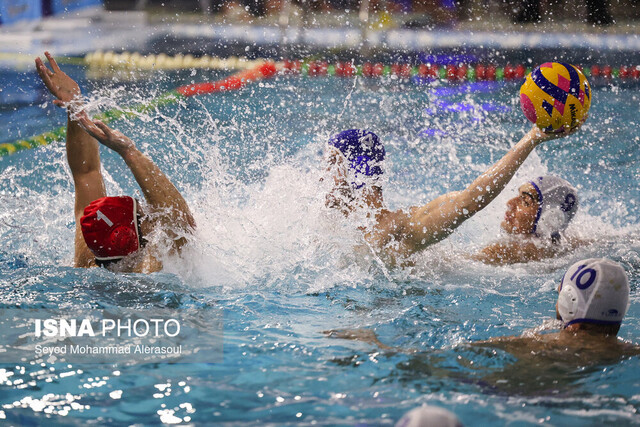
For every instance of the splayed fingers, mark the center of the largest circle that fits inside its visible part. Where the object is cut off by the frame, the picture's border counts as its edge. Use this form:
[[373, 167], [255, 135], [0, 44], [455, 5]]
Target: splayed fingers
[[91, 127], [53, 62], [59, 83], [44, 73], [108, 137]]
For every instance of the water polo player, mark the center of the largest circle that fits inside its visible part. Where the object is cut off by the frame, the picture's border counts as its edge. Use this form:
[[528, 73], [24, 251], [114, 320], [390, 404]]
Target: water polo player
[[110, 230], [535, 221], [593, 298], [355, 160]]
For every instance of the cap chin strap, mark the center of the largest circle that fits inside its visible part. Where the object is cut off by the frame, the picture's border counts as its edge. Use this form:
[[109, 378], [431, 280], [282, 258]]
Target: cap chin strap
[[540, 204]]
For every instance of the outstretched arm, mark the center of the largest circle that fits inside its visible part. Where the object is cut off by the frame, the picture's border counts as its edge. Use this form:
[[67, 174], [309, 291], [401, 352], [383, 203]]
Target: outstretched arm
[[503, 253], [168, 205], [438, 218], [82, 150], [363, 335]]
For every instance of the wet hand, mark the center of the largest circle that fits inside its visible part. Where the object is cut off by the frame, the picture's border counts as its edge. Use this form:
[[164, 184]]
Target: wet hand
[[108, 137], [540, 136], [58, 82]]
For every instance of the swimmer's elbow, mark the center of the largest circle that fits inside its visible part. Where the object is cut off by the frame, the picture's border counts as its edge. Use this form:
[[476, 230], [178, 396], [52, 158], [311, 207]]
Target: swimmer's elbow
[[452, 209], [491, 255], [468, 204]]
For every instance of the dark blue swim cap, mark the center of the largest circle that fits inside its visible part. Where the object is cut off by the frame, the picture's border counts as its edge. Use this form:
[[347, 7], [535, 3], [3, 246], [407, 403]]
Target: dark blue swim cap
[[363, 150]]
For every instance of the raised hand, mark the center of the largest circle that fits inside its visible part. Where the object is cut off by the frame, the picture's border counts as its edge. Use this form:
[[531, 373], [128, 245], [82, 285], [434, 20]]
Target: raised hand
[[541, 136], [108, 137], [58, 82]]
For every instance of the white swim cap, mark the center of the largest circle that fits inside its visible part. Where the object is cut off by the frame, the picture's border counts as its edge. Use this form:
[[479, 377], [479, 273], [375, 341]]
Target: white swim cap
[[557, 205], [594, 290], [429, 416]]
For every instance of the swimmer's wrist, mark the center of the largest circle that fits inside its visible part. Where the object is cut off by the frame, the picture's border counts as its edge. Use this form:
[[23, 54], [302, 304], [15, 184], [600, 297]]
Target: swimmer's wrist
[[129, 154], [74, 107], [536, 136]]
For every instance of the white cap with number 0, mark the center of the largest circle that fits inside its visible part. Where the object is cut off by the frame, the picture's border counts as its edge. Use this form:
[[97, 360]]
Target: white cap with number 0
[[594, 290]]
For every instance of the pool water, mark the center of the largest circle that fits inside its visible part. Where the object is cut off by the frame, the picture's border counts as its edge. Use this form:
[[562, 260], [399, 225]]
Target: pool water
[[283, 268]]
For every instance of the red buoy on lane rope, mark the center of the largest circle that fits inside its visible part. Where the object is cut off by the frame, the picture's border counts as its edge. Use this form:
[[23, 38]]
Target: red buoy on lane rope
[[461, 73], [428, 70], [323, 68], [624, 72], [292, 67], [378, 69], [367, 69], [481, 72], [452, 72], [509, 72], [402, 71], [313, 69], [345, 69], [490, 73], [232, 82]]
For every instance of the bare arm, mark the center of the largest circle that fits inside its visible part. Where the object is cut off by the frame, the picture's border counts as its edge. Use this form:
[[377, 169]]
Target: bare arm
[[364, 335], [502, 253], [525, 250], [438, 218], [83, 155], [160, 193]]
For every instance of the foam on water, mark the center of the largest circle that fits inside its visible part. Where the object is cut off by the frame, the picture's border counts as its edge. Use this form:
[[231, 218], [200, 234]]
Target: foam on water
[[267, 225]]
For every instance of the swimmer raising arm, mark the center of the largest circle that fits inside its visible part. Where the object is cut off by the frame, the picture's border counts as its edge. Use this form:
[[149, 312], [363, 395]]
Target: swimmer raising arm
[[113, 241], [438, 218], [398, 234], [83, 154], [158, 190]]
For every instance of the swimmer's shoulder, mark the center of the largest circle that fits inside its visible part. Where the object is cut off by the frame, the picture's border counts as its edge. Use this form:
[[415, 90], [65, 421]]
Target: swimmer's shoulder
[[144, 262], [522, 345], [574, 242]]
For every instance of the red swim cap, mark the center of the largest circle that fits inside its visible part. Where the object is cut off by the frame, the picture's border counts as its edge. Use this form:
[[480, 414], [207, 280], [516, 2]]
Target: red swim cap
[[110, 227]]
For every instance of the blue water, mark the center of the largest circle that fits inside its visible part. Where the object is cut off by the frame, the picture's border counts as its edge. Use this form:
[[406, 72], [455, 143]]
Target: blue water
[[283, 269]]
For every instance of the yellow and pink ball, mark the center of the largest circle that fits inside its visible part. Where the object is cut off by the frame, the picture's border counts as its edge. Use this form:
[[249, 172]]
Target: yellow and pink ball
[[556, 97]]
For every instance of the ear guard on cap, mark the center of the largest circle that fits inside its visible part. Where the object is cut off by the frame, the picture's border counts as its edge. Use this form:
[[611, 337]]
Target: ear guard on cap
[[567, 302], [594, 291], [551, 221], [557, 205]]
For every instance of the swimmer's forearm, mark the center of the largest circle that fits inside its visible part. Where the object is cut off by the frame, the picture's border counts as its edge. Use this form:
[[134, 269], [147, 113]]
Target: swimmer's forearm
[[488, 185], [438, 218], [83, 153], [158, 190]]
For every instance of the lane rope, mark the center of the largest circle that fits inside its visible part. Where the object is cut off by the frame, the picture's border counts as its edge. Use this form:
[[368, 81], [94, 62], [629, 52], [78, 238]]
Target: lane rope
[[235, 81], [251, 70]]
